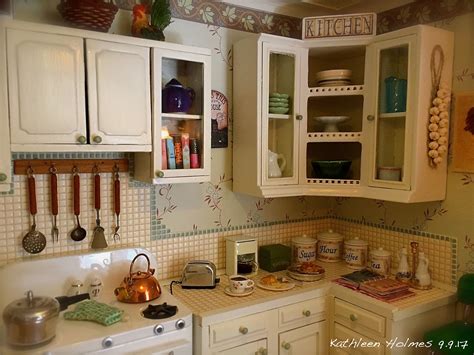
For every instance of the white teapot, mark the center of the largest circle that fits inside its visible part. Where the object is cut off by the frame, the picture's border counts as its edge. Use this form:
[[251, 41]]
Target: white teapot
[[274, 167]]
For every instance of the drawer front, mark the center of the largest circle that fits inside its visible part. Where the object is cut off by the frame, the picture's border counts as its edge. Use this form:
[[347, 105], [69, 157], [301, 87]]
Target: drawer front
[[358, 319], [360, 345], [237, 329], [303, 312]]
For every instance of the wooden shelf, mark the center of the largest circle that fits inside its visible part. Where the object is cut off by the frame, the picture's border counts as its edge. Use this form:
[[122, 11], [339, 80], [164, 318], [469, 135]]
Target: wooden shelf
[[278, 116], [393, 115], [181, 116], [336, 90], [66, 166], [315, 137]]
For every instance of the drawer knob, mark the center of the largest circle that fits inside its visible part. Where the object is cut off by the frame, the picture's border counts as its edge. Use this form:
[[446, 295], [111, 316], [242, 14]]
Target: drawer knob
[[82, 139], [3, 177], [98, 139], [159, 174], [285, 345], [261, 351], [299, 117], [307, 313], [370, 117], [353, 317], [243, 330]]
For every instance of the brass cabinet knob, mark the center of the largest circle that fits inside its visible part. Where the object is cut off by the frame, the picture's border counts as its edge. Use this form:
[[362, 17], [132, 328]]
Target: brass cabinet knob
[[370, 117], [3, 177], [285, 345], [98, 139], [261, 351], [82, 139], [243, 330], [307, 313], [299, 117], [353, 317], [159, 174]]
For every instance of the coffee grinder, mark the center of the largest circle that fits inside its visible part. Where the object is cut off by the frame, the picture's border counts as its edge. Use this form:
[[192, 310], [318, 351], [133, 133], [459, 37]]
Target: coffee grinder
[[241, 255]]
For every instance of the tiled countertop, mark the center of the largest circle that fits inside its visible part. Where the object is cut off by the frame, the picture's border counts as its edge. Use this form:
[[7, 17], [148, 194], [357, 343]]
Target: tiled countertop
[[210, 305]]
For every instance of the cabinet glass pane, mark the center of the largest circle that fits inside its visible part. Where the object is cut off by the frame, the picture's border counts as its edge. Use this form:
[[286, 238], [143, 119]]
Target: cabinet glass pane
[[281, 125], [391, 120], [182, 114]]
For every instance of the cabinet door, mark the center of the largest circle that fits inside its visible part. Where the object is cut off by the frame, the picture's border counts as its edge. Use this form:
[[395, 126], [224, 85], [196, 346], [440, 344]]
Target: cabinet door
[[280, 114], [347, 342], [307, 340], [119, 93], [391, 111], [5, 157], [181, 118], [258, 347], [46, 88]]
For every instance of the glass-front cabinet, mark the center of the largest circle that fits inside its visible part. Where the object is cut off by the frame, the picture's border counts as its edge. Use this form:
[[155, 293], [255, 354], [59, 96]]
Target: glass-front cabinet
[[392, 121], [342, 117], [181, 119], [280, 114]]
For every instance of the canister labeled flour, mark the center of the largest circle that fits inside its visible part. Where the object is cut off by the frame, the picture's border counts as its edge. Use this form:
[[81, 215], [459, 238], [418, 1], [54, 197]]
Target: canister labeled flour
[[304, 249], [380, 261], [330, 246], [355, 253]]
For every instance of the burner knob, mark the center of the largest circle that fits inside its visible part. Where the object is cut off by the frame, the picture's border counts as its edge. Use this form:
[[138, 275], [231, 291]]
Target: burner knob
[[107, 342], [158, 329], [180, 324]]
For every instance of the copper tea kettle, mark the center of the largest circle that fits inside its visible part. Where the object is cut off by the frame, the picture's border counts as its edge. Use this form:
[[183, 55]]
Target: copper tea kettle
[[139, 286]]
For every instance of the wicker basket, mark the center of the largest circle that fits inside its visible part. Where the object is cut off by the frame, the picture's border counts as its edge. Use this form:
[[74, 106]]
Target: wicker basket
[[95, 15]]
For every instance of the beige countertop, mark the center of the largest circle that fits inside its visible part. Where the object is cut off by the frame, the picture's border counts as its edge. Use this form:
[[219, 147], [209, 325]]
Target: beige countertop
[[212, 305]]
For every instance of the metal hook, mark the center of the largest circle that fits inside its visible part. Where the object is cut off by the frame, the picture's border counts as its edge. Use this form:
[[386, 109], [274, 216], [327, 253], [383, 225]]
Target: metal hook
[[96, 169], [52, 168], [116, 170], [30, 171], [75, 170]]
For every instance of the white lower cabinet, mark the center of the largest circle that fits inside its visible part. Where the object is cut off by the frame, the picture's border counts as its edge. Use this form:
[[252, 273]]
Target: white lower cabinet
[[258, 347], [307, 340], [295, 328], [342, 333]]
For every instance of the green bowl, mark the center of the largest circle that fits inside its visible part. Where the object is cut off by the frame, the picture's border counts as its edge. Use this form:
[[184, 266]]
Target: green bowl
[[279, 110], [331, 169], [277, 95]]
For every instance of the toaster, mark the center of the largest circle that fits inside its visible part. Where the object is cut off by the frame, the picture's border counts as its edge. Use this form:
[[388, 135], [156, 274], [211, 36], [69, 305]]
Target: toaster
[[199, 274]]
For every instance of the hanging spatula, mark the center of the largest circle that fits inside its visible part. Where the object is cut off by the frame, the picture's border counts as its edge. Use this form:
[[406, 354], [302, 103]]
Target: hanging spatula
[[98, 238]]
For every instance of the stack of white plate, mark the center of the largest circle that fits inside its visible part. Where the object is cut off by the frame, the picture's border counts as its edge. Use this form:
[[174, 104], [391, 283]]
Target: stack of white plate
[[335, 77]]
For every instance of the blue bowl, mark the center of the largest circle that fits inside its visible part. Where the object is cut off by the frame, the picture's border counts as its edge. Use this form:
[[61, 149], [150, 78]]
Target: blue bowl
[[331, 169]]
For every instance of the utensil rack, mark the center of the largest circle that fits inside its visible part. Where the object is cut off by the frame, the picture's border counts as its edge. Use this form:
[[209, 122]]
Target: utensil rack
[[66, 166]]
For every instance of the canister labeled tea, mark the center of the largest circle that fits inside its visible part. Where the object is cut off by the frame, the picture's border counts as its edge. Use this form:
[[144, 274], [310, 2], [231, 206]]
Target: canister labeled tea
[[380, 261], [330, 246], [355, 253], [304, 249]]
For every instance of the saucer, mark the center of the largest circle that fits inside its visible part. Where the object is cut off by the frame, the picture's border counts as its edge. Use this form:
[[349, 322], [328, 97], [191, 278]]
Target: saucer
[[230, 293]]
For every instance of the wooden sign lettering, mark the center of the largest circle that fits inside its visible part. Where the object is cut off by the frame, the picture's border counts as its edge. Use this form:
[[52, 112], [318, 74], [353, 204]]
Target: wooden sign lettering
[[339, 26]]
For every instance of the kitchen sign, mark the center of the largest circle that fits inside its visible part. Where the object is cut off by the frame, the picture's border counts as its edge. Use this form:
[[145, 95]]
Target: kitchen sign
[[339, 26]]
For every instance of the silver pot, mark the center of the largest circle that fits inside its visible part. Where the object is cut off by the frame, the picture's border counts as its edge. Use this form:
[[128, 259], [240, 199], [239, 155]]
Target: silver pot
[[31, 320]]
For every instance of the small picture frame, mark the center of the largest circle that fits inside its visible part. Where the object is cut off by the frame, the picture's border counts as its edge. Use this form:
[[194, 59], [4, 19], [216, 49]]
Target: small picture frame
[[219, 116]]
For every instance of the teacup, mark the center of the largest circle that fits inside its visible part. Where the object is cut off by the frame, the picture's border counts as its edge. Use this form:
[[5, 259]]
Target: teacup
[[240, 284]]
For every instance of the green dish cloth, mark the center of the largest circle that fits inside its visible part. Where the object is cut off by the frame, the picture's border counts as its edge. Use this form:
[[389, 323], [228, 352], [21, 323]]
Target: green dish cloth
[[95, 312]]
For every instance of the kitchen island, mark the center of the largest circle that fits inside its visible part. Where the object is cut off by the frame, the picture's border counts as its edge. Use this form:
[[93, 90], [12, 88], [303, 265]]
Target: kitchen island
[[308, 316]]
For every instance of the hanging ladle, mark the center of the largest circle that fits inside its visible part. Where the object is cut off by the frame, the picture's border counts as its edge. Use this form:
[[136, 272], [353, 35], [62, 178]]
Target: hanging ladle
[[34, 241], [77, 233]]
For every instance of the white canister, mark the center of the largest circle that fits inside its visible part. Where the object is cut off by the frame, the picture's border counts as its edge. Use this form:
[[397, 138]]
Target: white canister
[[330, 246], [380, 261], [304, 249], [355, 253]]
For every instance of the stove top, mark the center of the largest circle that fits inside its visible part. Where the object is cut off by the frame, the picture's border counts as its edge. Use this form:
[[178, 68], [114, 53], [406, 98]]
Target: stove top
[[76, 337], [159, 311]]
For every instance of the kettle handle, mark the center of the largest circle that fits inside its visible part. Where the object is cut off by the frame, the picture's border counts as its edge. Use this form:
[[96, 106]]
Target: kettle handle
[[191, 93], [283, 162], [149, 270]]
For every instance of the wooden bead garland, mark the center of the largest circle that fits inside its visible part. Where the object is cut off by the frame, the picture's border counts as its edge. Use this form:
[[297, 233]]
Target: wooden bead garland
[[439, 115]]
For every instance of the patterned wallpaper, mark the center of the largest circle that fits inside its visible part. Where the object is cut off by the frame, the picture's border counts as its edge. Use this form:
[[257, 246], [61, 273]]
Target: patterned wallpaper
[[210, 207]]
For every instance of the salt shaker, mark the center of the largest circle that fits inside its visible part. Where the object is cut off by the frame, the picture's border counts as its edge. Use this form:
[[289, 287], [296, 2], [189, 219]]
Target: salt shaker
[[95, 288], [76, 288]]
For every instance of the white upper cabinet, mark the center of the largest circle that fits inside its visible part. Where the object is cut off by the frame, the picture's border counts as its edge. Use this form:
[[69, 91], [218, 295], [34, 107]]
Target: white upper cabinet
[[118, 83], [46, 87], [363, 137]]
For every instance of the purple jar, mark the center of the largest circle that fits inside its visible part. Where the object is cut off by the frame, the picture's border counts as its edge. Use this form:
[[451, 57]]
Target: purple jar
[[177, 98]]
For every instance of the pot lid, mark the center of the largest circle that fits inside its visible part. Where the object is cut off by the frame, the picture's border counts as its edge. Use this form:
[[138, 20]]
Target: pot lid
[[304, 239], [330, 235], [356, 242], [174, 82], [380, 252], [31, 309]]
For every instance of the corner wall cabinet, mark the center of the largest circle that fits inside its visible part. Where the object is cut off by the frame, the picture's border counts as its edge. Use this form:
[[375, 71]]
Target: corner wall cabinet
[[279, 152], [71, 90]]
